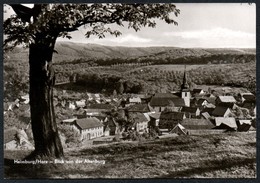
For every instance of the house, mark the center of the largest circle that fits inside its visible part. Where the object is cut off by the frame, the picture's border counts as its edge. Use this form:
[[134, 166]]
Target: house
[[144, 98], [205, 115], [225, 99], [89, 128], [154, 119], [98, 109], [170, 119], [107, 100], [106, 131], [207, 110], [70, 105], [197, 124], [113, 126], [179, 129], [225, 123], [249, 105], [161, 100], [202, 102], [81, 103], [143, 108], [134, 100], [70, 121], [140, 122], [247, 97], [248, 100], [211, 99], [90, 96], [25, 99], [220, 111], [95, 97], [191, 112], [147, 115], [198, 91], [153, 124], [209, 105], [244, 125], [229, 105]]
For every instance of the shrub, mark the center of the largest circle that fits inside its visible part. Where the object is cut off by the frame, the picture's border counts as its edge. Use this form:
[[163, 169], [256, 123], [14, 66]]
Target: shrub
[[117, 138], [72, 137], [146, 135]]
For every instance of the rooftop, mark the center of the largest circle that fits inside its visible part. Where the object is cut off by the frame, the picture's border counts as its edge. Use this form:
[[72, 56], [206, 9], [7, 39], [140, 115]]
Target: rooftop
[[86, 123], [228, 99], [230, 122]]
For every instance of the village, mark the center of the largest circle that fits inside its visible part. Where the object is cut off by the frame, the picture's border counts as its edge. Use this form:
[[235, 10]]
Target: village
[[101, 120]]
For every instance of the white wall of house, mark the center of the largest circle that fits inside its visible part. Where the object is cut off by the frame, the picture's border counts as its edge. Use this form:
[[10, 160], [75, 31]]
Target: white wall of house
[[91, 133]]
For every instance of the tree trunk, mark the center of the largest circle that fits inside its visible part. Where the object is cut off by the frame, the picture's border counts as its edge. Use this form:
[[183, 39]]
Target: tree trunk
[[46, 137]]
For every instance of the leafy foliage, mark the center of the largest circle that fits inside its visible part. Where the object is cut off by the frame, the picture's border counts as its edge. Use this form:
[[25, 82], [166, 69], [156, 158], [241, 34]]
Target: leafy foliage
[[49, 21]]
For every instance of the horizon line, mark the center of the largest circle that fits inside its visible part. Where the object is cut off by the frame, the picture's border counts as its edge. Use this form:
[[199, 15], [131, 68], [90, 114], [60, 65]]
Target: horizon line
[[66, 41]]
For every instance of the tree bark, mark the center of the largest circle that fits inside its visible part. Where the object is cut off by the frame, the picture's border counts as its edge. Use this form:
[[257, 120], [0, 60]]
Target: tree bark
[[46, 137]]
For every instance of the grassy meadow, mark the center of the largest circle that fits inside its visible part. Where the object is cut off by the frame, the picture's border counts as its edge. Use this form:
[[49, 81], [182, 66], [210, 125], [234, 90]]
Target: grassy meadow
[[228, 155]]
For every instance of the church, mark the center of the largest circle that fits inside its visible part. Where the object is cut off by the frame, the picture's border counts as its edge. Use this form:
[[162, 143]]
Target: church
[[160, 101]]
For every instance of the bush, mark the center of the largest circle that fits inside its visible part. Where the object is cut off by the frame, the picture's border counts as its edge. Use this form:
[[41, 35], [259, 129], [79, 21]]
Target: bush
[[153, 133], [146, 135], [72, 137], [117, 138], [125, 135]]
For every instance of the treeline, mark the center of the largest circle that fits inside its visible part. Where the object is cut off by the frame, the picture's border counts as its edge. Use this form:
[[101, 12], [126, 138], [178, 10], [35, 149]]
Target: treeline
[[153, 60], [153, 80], [109, 83], [124, 75]]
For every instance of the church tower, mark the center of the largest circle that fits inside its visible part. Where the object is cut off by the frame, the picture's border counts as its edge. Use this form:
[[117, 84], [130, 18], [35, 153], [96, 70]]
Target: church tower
[[185, 90]]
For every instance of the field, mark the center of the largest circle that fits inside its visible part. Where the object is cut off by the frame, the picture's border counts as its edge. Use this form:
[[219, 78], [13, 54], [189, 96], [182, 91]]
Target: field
[[174, 67], [229, 155]]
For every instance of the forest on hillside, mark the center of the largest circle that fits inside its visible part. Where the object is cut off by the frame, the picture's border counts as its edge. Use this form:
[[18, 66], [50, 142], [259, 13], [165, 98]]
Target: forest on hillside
[[134, 75]]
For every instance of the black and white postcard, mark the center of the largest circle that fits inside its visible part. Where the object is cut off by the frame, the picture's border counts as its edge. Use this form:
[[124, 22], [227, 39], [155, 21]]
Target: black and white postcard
[[129, 91]]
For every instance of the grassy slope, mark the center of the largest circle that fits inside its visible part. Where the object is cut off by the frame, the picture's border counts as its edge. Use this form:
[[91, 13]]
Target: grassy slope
[[216, 156]]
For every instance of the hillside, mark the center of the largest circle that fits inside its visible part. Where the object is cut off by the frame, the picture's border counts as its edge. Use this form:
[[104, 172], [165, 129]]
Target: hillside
[[229, 155], [70, 51]]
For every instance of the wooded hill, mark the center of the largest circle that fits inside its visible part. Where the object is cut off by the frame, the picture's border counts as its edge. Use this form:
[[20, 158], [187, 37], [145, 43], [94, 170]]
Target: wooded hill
[[68, 51]]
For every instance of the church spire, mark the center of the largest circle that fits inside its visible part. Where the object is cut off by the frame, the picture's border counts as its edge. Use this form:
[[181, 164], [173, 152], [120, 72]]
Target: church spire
[[185, 85]]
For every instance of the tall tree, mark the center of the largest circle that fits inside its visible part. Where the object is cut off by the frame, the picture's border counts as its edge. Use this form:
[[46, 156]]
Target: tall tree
[[40, 26]]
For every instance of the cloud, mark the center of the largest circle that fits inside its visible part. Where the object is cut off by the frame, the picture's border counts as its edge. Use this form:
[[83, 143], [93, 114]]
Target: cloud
[[216, 33], [217, 37], [127, 39]]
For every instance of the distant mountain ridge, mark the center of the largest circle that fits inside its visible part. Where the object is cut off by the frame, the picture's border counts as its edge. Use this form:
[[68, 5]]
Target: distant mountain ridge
[[71, 50]]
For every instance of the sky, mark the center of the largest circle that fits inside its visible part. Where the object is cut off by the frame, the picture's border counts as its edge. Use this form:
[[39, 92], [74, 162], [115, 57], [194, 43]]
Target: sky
[[204, 25]]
